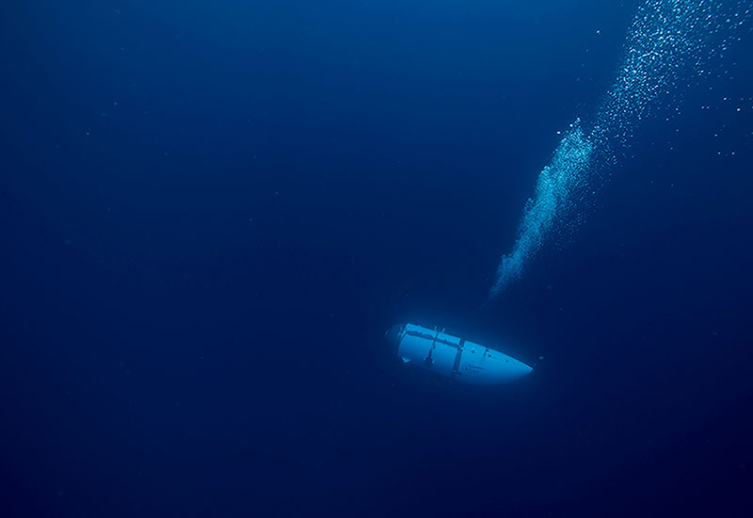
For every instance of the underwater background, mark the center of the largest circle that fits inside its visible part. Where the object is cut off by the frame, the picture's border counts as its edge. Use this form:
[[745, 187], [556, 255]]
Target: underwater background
[[211, 212]]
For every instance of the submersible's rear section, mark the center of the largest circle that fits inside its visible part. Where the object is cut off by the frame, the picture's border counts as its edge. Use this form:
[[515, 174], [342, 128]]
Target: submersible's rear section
[[454, 357]]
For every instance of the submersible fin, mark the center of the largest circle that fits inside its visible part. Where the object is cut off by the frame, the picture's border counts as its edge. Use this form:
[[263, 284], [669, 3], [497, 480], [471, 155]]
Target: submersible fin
[[454, 357]]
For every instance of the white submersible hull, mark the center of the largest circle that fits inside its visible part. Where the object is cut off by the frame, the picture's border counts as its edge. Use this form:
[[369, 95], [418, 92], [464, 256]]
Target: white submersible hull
[[454, 357]]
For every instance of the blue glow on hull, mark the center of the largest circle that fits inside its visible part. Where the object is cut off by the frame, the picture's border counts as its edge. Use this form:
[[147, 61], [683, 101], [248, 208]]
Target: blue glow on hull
[[454, 357]]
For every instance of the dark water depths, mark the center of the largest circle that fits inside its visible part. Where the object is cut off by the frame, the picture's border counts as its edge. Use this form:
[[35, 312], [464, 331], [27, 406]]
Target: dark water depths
[[211, 213]]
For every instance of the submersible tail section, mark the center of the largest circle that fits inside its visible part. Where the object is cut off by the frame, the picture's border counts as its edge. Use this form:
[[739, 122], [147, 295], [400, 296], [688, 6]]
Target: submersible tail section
[[453, 357]]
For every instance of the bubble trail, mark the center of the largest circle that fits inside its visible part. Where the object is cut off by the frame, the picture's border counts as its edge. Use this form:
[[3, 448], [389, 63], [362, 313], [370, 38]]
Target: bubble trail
[[667, 41]]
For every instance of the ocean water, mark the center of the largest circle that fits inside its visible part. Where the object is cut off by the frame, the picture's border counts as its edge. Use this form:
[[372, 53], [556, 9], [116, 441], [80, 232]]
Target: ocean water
[[211, 213]]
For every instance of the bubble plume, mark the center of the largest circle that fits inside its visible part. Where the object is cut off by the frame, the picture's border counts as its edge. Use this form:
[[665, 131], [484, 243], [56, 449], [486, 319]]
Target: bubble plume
[[669, 42]]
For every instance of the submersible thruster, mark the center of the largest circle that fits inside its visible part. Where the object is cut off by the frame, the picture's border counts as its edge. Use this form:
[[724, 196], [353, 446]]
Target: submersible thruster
[[454, 357]]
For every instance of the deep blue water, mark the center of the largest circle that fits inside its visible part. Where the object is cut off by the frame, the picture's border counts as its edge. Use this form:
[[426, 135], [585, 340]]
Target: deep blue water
[[210, 214]]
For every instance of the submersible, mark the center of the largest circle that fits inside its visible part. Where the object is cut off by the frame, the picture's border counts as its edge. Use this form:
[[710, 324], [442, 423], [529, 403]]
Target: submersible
[[454, 357]]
